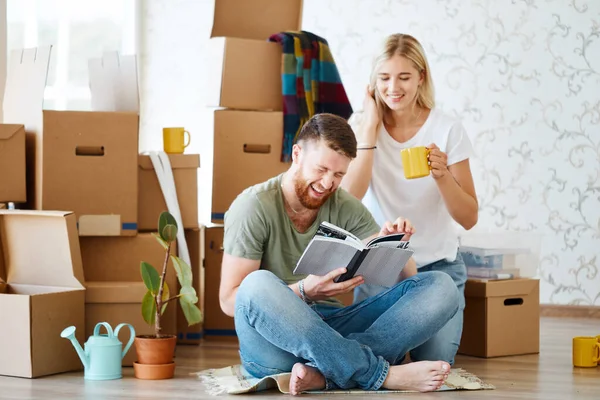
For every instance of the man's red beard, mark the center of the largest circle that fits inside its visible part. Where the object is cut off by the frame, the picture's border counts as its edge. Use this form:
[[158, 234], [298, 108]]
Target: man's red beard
[[302, 189]]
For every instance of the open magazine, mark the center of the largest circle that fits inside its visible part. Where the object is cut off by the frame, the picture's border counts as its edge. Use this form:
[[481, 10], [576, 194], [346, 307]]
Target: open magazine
[[379, 262]]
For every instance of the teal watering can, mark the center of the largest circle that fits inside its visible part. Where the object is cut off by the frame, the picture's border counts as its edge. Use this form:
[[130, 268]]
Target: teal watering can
[[103, 352]]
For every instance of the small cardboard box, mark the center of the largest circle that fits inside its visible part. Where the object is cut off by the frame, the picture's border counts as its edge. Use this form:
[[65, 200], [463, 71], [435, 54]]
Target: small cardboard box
[[250, 140], [241, 56], [117, 302], [151, 201], [90, 158], [192, 334], [501, 318], [13, 182], [41, 292], [216, 324], [118, 259]]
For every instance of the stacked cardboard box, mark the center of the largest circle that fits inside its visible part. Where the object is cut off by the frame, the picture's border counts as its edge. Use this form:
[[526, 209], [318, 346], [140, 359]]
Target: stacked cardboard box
[[501, 318], [244, 82], [87, 162], [152, 203]]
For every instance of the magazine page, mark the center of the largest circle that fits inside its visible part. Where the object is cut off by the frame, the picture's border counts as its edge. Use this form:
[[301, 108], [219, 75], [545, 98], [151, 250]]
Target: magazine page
[[392, 240], [327, 229], [383, 265], [323, 255]]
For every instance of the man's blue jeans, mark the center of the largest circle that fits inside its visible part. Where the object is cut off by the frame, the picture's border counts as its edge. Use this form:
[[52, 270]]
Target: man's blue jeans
[[352, 346], [444, 344]]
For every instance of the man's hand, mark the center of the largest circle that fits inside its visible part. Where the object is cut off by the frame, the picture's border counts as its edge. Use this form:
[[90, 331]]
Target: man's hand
[[322, 287], [401, 225]]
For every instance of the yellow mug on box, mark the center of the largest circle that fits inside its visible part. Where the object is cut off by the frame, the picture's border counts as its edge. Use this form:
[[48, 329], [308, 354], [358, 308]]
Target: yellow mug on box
[[415, 161], [174, 140], [586, 351]]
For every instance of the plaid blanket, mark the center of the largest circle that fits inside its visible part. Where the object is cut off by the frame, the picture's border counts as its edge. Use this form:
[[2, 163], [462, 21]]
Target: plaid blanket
[[310, 81], [236, 380]]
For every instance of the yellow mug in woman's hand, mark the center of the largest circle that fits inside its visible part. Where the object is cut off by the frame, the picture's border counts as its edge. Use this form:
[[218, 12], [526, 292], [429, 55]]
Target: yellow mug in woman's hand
[[415, 161], [174, 140]]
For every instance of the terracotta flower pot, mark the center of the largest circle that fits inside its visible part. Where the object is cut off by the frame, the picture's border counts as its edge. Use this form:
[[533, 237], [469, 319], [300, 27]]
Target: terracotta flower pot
[[152, 350], [153, 371]]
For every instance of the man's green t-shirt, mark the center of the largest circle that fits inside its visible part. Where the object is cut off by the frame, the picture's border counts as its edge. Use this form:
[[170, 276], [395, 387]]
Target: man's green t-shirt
[[257, 226]]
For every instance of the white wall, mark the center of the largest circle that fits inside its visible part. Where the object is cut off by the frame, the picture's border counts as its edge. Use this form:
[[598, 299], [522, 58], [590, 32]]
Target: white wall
[[3, 51], [523, 76], [172, 63]]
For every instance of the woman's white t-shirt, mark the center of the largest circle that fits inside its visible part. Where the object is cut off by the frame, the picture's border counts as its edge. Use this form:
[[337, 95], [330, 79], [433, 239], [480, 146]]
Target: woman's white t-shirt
[[390, 195]]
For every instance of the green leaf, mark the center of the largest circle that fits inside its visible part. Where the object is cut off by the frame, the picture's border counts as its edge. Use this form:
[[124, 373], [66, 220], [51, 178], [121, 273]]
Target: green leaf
[[148, 308], [192, 313], [165, 297], [164, 244], [184, 271], [167, 227], [150, 277], [188, 293]]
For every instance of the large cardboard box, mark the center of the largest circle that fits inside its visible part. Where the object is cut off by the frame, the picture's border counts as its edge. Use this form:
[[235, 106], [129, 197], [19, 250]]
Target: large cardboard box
[[501, 318], [13, 183], [241, 56], [117, 302], [192, 334], [41, 292], [216, 324], [112, 268], [118, 259], [247, 151], [90, 158], [151, 201]]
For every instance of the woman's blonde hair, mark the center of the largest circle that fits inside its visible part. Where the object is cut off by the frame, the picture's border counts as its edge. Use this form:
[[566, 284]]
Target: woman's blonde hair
[[406, 46]]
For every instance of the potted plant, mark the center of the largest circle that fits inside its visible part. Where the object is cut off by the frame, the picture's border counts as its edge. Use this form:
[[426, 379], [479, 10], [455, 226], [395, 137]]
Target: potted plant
[[155, 352]]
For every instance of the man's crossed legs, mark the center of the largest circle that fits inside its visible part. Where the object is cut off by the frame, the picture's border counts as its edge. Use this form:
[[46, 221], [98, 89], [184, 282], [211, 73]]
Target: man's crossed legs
[[356, 346]]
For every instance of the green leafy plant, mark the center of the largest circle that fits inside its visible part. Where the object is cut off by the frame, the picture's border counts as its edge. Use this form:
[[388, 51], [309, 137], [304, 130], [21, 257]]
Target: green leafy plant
[[159, 295]]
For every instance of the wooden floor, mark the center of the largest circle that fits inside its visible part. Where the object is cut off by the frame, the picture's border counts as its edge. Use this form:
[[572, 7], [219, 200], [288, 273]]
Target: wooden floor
[[547, 376]]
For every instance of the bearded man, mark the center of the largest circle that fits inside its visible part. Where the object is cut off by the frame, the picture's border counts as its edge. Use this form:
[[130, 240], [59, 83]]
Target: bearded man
[[290, 323]]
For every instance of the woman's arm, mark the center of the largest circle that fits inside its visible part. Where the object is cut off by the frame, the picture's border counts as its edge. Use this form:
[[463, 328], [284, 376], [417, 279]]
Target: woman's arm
[[455, 183], [357, 179]]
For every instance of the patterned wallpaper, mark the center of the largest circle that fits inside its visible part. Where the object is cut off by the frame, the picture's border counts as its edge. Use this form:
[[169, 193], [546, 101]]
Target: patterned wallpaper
[[523, 75]]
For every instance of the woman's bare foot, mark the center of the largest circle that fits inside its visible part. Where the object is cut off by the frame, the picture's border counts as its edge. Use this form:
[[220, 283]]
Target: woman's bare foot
[[305, 378], [423, 376]]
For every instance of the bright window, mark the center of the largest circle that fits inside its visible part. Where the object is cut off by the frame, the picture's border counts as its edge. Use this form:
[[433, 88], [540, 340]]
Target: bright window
[[78, 30]]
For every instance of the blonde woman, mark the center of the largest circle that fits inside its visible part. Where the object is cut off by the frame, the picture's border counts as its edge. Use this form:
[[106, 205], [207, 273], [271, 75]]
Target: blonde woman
[[399, 112]]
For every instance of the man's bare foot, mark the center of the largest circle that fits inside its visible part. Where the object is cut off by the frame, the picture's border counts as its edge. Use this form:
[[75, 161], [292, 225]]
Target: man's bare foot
[[423, 376], [305, 378]]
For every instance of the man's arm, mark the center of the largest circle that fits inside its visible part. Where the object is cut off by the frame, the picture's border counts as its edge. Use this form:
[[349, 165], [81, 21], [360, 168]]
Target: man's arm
[[233, 271]]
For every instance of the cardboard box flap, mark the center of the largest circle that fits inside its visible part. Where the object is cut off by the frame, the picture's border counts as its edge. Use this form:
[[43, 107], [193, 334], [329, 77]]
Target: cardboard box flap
[[25, 85], [177, 161], [40, 248], [505, 288], [114, 83], [255, 19], [9, 130], [115, 292]]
